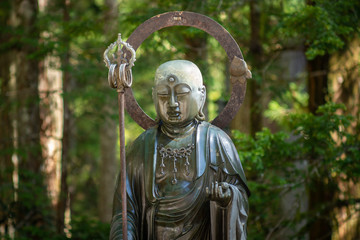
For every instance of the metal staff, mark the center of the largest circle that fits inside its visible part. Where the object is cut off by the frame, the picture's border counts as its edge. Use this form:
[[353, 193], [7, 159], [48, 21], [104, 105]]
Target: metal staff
[[120, 77]]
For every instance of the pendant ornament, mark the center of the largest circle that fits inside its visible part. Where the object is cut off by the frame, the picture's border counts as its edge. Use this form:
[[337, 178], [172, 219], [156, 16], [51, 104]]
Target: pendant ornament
[[175, 154]]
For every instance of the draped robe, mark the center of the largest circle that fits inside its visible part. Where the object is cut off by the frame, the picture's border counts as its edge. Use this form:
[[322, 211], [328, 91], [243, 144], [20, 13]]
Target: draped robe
[[190, 215]]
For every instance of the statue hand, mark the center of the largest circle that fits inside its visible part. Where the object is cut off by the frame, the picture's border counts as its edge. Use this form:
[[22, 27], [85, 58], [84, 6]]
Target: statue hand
[[220, 193]]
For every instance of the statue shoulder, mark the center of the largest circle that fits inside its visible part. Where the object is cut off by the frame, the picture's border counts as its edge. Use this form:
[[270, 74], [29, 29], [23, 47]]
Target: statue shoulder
[[139, 151], [215, 133], [149, 133], [220, 134], [144, 139], [222, 151]]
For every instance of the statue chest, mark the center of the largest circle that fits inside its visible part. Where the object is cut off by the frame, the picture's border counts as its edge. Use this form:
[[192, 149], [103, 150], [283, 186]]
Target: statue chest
[[175, 166]]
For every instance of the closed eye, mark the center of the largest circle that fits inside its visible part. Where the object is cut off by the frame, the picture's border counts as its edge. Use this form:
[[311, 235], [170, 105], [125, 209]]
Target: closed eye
[[163, 94], [162, 91], [182, 89]]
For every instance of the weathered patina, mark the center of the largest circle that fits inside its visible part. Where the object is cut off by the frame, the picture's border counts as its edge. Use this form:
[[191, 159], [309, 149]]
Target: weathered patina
[[184, 176]]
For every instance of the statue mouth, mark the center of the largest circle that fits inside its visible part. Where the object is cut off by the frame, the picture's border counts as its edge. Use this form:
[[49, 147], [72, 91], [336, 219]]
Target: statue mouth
[[173, 115]]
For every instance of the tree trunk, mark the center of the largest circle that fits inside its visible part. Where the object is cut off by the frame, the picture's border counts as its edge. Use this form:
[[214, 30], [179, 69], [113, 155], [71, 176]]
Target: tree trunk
[[345, 80], [318, 70], [6, 130], [108, 132], [256, 52], [32, 202], [108, 143], [320, 194], [67, 126], [321, 191], [51, 113]]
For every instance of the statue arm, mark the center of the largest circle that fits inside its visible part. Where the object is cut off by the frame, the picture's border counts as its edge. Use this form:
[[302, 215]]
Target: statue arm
[[229, 221], [227, 170]]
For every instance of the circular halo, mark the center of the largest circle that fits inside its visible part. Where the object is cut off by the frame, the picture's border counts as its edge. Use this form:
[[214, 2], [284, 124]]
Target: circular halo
[[199, 21]]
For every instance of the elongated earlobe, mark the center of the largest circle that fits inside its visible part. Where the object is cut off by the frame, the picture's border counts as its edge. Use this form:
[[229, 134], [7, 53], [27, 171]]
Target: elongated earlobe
[[201, 116]]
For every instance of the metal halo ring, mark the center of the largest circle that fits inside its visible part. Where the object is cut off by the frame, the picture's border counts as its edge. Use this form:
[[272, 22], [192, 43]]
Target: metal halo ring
[[183, 18]]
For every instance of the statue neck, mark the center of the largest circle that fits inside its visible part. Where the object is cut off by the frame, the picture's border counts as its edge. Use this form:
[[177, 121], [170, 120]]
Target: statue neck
[[178, 131]]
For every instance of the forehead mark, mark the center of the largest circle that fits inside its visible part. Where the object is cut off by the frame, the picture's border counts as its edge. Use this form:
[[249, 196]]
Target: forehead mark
[[171, 79]]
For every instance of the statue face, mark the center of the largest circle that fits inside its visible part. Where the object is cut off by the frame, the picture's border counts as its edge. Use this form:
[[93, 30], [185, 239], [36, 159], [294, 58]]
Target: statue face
[[178, 93]]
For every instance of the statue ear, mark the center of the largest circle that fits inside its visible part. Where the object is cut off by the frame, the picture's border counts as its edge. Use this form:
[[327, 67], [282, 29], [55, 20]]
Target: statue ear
[[201, 115], [203, 93]]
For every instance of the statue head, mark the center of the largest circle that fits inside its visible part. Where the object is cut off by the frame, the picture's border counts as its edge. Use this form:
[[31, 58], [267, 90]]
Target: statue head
[[179, 94]]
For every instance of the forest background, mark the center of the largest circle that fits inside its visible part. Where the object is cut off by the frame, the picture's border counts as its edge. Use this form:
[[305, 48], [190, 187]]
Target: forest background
[[297, 132]]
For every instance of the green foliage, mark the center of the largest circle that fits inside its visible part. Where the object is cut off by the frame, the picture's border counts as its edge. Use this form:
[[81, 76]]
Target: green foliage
[[269, 166], [82, 228], [293, 100], [31, 211], [326, 139], [325, 26], [322, 143]]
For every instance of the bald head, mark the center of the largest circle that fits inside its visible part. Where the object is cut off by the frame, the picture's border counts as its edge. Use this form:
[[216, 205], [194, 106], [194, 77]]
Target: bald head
[[181, 71]]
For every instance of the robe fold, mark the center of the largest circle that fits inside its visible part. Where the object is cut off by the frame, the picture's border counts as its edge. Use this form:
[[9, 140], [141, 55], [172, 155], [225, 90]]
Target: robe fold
[[190, 215]]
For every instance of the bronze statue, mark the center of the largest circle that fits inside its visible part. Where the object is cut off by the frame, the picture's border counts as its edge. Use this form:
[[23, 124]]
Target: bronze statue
[[184, 177]]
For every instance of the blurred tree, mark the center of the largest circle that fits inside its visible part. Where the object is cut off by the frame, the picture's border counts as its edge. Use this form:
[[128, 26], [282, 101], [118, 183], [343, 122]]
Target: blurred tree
[[51, 104], [344, 79], [325, 27], [6, 129], [27, 122], [254, 24], [256, 53], [67, 135], [273, 158], [108, 129]]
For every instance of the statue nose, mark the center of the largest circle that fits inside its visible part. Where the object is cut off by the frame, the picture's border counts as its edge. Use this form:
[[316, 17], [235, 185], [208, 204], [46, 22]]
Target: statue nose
[[173, 101]]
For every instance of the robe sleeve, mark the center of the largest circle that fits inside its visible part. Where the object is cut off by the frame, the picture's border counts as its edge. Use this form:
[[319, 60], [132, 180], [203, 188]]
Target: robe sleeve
[[132, 186], [116, 232], [228, 222]]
